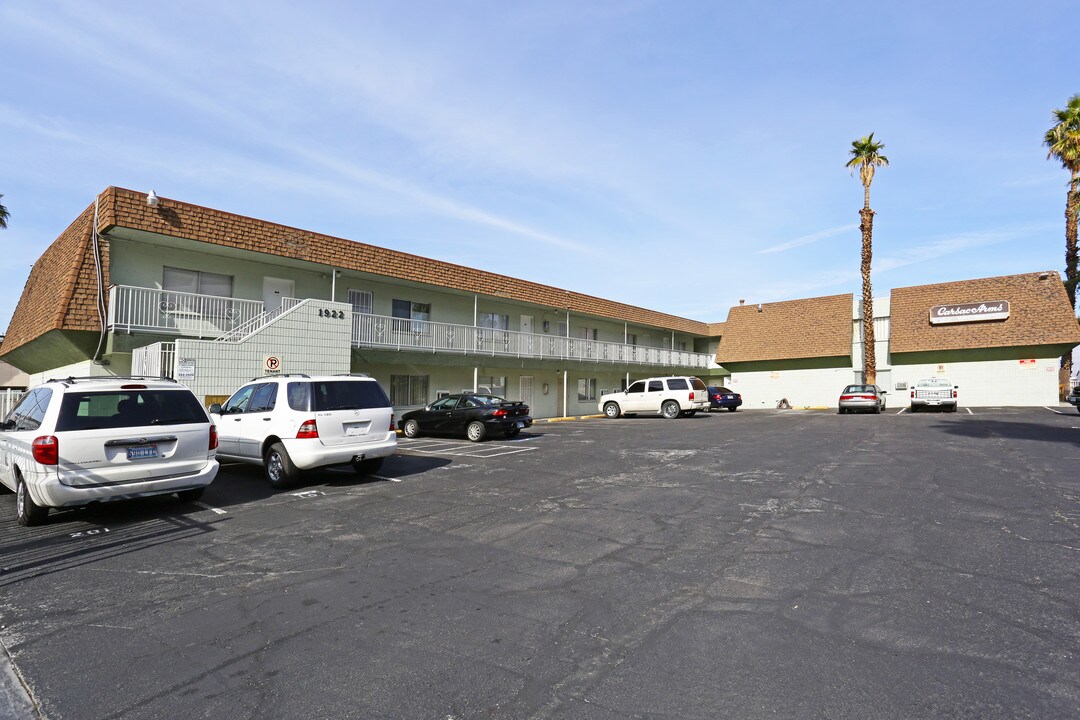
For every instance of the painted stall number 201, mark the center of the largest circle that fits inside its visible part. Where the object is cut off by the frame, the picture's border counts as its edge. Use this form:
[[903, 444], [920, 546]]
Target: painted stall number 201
[[332, 314], [87, 533]]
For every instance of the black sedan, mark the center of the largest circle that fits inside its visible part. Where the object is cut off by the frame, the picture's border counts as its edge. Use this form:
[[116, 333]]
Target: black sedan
[[473, 416], [720, 398]]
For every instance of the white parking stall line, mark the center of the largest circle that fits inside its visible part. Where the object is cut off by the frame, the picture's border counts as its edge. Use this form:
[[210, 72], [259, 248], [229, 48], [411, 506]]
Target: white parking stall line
[[492, 452], [969, 411], [902, 411], [383, 477], [211, 508], [1058, 412]]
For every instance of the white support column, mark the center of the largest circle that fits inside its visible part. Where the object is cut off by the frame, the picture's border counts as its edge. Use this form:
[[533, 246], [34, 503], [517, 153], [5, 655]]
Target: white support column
[[624, 333], [475, 306], [333, 284], [565, 396], [475, 379]]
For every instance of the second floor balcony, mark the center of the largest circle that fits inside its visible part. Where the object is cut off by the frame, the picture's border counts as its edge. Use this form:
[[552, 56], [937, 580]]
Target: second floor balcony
[[135, 309]]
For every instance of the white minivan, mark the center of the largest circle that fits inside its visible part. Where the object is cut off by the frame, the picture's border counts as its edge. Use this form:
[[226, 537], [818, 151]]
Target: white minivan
[[667, 396], [75, 441]]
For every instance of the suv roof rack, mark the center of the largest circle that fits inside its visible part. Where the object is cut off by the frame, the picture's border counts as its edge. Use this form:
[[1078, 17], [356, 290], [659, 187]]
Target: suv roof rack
[[263, 377], [352, 375], [73, 379]]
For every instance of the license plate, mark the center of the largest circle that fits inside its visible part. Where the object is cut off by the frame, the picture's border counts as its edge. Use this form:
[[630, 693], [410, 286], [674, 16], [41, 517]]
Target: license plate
[[352, 429], [519, 424], [729, 397], [142, 451]]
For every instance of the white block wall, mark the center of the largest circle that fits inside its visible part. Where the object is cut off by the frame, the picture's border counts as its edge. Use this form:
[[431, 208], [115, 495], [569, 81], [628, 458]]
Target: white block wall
[[802, 388], [990, 383], [304, 341]]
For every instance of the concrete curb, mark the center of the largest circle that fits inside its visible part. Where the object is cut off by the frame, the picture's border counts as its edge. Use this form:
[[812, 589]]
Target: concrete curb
[[15, 701]]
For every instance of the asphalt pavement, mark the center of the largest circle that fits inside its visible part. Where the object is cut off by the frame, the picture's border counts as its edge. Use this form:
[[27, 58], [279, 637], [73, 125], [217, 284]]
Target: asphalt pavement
[[749, 565]]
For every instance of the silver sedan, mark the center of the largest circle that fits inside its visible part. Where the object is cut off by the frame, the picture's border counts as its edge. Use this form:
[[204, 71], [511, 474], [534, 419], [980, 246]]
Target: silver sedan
[[870, 398]]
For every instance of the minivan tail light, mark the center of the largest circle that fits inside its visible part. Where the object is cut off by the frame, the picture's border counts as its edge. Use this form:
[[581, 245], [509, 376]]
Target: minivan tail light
[[213, 437], [46, 450], [307, 431]]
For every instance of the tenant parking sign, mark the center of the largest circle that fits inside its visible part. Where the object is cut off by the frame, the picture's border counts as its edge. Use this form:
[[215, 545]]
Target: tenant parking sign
[[272, 364]]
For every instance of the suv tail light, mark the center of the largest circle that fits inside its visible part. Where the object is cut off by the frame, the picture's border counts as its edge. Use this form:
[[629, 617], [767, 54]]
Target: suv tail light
[[308, 430], [46, 450], [213, 437], [912, 394], [392, 428], [954, 393], [691, 394]]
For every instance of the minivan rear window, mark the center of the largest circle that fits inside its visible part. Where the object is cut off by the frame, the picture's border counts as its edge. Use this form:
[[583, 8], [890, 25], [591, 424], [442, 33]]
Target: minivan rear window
[[127, 408], [347, 395]]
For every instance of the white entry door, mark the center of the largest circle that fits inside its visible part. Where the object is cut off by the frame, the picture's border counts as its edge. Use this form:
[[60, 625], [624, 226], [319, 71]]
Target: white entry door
[[525, 387], [526, 324], [274, 289]]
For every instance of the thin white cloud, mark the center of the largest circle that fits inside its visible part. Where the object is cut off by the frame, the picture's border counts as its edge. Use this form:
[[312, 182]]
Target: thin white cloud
[[153, 53], [808, 239]]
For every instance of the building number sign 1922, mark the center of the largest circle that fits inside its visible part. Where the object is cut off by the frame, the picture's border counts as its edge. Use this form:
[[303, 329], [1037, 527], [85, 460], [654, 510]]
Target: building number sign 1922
[[332, 314]]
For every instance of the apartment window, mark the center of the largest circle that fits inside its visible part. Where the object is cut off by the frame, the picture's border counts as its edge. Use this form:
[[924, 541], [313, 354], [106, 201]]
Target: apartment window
[[681, 346], [586, 333], [408, 390], [195, 281], [586, 389], [631, 339], [561, 329], [491, 385], [409, 310], [361, 301], [493, 321]]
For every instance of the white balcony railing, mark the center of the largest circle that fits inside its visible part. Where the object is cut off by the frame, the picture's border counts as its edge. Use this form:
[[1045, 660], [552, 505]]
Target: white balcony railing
[[180, 313], [380, 331], [229, 319]]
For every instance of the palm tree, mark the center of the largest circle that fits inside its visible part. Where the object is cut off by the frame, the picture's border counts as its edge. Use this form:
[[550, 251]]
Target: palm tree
[[866, 156], [3, 214], [1063, 143]]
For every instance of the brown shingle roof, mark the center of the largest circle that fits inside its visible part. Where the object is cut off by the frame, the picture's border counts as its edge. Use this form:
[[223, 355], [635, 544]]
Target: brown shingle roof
[[1039, 314], [128, 209], [792, 330], [60, 293]]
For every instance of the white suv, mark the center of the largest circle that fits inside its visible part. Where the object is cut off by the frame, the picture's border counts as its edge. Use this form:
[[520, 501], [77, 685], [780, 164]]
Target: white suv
[[76, 441], [667, 396], [291, 423]]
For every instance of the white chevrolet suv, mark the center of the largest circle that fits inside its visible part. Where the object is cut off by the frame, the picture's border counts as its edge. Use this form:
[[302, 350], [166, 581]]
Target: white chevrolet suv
[[667, 396], [75, 441], [291, 423]]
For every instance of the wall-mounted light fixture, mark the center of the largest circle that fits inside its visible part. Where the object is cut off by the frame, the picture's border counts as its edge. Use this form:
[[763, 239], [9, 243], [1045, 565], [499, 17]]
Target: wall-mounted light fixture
[[759, 308], [152, 199], [547, 326]]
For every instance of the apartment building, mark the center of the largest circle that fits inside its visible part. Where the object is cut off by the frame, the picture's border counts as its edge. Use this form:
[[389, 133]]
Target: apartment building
[[140, 285]]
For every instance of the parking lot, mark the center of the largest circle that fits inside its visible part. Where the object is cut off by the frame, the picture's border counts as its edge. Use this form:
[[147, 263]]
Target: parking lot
[[748, 565]]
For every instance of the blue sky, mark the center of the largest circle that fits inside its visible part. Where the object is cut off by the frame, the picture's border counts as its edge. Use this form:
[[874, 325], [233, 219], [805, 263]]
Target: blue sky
[[676, 155]]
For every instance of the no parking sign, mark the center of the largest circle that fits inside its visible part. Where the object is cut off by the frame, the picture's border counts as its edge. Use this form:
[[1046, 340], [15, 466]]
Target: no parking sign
[[272, 364]]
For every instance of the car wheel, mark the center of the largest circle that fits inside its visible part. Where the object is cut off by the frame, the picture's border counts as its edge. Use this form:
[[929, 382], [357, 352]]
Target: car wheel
[[877, 409], [732, 409], [670, 409], [367, 467], [611, 410], [691, 413], [191, 495], [476, 431], [1078, 408], [512, 432], [411, 428], [913, 409], [278, 467], [28, 512], [841, 411]]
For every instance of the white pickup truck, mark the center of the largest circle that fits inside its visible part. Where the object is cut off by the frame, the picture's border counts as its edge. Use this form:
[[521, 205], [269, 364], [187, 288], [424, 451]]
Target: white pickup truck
[[934, 392]]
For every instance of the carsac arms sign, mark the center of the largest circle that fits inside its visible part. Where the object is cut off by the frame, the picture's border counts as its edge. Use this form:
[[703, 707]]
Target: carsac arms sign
[[969, 312]]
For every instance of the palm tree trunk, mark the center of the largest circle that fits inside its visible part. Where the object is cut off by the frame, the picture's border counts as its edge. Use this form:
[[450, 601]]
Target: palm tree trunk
[[869, 356], [1072, 208]]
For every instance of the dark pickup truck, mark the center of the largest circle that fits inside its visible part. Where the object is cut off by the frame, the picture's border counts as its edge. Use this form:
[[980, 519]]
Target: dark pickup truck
[[1073, 398]]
